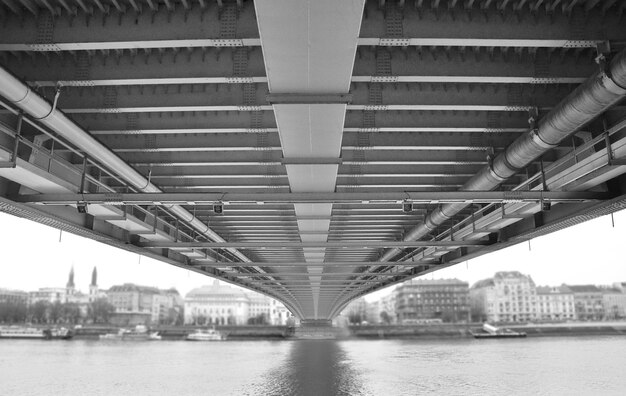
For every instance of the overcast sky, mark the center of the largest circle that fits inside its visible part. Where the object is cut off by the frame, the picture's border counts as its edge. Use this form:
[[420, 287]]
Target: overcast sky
[[31, 256]]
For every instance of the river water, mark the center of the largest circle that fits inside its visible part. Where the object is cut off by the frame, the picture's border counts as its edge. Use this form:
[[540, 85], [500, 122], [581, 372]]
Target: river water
[[533, 366]]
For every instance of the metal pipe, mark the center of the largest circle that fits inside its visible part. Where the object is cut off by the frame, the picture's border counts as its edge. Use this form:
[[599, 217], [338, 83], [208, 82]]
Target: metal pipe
[[598, 93], [24, 98]]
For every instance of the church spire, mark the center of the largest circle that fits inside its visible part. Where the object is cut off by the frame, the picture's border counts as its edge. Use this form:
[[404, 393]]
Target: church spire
[[94, 277], [70, 281]]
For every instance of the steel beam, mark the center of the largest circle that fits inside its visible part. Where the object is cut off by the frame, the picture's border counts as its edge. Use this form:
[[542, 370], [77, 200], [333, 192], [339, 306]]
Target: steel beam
[[346, 244], [350, 142], [155, 30], [263, 80], [399, 197], [480, 42], [213, 264], [410, 97], [488, 27], [323, 274], [200, 66]]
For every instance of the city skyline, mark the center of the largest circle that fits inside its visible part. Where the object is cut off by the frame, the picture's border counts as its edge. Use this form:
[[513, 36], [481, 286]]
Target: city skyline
[[549, 260]]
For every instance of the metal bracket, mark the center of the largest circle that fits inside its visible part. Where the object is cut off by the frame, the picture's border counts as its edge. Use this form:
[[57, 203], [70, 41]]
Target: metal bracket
[[83, 175], [611, 160], [54, 105], [508, 216], [603, 50], [533, 116]]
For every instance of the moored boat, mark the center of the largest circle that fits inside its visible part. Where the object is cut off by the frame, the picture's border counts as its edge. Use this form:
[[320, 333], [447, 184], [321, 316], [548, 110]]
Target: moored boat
[[58, 334], [140, 333], [490, 331], [21, 332], [206, 335]]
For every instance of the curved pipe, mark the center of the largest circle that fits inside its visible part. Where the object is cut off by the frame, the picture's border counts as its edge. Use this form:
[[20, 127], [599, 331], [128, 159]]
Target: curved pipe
[[23, 97], [594, 96]]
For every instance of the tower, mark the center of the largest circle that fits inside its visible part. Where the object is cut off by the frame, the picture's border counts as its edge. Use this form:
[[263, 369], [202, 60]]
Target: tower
[[93, 287], [70, 288]]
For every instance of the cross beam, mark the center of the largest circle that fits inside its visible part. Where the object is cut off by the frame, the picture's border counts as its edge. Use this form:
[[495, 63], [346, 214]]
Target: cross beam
[[427, 197], [219, 264], [344, 244]]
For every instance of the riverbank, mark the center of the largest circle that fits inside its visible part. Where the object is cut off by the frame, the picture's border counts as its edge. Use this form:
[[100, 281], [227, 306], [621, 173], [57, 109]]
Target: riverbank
[[464, 330], [180, 332], [432, 331]]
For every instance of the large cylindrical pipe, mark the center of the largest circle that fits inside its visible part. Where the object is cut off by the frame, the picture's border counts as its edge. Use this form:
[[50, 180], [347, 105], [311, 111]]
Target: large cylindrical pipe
[[31, 103], [588, 101]]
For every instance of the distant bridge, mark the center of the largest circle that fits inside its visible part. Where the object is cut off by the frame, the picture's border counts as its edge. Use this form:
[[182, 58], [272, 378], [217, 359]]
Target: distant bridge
[[314, 151]]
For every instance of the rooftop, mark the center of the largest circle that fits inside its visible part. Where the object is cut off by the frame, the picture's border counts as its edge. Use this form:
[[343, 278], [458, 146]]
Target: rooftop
[[585, 288], [131, 287], [216, 290], [563, 289], [438, 282]]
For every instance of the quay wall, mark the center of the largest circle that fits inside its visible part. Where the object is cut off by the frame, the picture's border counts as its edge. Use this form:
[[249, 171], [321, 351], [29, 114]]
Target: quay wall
[[462, 330], [180, 332]]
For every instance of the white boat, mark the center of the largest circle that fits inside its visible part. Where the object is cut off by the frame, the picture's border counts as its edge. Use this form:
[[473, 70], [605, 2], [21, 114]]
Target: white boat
[[114, 336], [490, 331], [19, 332], [206, 335], [154, 336], [140, 333]]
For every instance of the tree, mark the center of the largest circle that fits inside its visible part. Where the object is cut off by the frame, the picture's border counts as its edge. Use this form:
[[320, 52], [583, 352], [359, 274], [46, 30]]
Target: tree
[[354, 318], [55, 312], [385, 318], [201, 320], [70, 313], [100, 310], [180, 317], [13, 312], [38, 311], [260, 319], [170, 317]]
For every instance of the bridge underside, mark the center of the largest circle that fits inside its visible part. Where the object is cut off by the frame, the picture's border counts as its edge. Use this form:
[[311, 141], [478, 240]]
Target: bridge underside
[[312, 151]]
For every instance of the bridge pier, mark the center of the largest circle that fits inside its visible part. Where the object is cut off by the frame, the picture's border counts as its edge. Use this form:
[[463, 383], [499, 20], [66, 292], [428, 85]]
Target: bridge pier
[[318, 329]]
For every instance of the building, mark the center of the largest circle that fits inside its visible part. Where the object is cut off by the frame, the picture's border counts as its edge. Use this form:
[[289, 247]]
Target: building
[[69, 294], [555, 303], [94, 292], [216, 304], [83, 301], [388, 309], [279, 314], [507, 297], [425, 299], [226, 305], [614, 303], [372, 312], [135, 304], [621, 286], [48, 295], [588, 301], [171, 309], [259, 307], [16, 297]]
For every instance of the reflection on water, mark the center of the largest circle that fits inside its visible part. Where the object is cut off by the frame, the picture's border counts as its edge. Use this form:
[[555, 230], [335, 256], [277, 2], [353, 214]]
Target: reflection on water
[[544, 366], [313, 367]]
